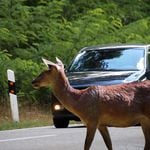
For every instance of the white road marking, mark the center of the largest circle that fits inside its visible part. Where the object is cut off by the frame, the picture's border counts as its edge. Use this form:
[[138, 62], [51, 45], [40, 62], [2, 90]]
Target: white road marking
[[26, 138]]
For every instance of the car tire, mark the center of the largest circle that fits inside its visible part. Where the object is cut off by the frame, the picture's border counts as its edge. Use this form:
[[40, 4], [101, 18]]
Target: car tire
[[60, 123]]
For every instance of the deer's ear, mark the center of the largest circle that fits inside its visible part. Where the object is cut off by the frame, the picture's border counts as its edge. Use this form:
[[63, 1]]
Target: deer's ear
[[59, 62], [48, 63]]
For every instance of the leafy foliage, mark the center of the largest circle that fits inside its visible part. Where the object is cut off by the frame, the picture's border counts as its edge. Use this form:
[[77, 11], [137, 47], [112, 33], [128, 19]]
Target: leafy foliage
[[31, 29]]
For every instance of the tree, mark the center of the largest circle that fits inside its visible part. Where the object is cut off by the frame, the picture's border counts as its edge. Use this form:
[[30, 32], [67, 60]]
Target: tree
[[31, 29]]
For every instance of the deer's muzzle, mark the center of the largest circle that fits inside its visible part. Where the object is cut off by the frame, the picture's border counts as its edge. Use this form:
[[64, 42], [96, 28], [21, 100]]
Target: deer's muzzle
[[35, 84]]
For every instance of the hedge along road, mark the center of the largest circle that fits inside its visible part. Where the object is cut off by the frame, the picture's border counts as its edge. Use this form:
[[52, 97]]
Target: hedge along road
[[72, 138]]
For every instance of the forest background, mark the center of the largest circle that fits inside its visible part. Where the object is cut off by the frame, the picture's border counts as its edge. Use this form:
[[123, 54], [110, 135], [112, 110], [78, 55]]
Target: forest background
[[31, 29]]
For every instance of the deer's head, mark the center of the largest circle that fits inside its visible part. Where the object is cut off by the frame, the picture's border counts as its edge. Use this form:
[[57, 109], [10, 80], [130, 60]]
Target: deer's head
[[48, 77]]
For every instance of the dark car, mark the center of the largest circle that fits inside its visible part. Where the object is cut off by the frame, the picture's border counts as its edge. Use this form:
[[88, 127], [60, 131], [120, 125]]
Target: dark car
[[103, 65]]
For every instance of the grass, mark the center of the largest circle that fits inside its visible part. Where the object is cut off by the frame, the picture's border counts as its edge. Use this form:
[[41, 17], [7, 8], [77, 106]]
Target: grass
[[8, 125], [30, 116]]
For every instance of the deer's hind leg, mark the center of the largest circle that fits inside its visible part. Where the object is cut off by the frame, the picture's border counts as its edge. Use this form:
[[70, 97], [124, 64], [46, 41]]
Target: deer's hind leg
[[105, 134], [145, 123]]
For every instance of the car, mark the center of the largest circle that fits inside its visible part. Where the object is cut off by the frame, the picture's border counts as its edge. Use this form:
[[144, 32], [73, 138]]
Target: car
[[103, 65]]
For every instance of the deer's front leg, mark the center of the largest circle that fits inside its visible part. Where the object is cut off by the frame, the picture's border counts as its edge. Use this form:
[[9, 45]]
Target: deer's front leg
[[89, 136], [105, 134], [146, 130]]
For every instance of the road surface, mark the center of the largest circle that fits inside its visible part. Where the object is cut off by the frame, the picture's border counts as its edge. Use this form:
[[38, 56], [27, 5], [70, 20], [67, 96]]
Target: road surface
[[72, 138]]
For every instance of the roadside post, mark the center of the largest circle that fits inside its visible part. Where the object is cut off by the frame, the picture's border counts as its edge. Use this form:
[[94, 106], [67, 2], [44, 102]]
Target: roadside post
[[12, 95]]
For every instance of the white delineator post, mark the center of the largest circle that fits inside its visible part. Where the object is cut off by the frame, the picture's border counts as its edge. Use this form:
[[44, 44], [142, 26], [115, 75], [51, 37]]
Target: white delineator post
[[12, 95]]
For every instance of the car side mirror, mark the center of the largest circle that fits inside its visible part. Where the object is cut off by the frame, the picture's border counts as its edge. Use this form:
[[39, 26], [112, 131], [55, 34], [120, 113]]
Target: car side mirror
[[147, 74]]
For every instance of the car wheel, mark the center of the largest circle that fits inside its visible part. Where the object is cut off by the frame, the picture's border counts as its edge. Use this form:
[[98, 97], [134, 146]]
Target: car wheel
[[60, 123]]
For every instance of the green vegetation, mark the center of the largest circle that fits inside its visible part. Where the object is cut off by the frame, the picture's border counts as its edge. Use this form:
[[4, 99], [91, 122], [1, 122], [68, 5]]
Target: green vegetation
[[23, 124], [31, 29], [30, 116]]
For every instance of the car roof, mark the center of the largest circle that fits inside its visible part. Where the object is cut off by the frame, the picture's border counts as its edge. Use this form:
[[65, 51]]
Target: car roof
[[100, 47]]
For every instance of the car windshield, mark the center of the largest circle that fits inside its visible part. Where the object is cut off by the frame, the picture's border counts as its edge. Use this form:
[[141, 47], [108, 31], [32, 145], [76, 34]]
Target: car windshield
[[109, 59]]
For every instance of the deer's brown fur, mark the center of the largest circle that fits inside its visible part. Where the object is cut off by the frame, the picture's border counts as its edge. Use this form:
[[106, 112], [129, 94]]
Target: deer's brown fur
[[100, 106]]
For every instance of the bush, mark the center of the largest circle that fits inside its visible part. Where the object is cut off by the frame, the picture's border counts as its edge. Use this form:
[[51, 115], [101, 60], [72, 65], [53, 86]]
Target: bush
[[33, 29]]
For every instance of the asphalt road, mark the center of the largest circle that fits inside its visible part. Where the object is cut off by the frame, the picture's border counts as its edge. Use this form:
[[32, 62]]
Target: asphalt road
[[72, 138]]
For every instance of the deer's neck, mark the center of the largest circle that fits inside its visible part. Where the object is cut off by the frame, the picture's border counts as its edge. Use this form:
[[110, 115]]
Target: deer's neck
[[66, 94]]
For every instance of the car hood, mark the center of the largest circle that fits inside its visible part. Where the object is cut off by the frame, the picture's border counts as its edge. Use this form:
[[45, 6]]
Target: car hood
[[86, 79]]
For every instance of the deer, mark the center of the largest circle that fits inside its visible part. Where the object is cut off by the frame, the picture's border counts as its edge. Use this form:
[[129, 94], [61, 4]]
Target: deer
[[100, 107]]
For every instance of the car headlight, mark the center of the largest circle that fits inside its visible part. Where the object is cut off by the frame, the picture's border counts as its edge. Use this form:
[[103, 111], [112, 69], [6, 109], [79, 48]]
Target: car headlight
[[58, 107]]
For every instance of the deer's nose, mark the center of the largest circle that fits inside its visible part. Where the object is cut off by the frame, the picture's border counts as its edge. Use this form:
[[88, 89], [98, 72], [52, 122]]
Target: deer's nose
[[33, 82]]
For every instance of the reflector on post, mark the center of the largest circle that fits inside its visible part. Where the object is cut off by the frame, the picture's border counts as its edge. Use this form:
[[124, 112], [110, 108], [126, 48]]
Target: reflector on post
[[12, 94], [11, 87]]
